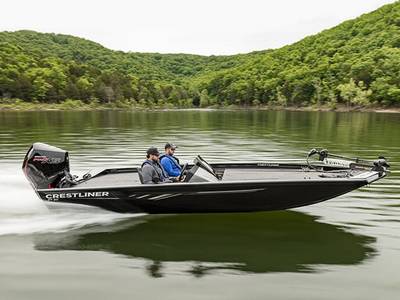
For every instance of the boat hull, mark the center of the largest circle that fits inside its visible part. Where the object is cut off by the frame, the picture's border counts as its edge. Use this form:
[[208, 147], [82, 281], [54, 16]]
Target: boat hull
[[204, 198]]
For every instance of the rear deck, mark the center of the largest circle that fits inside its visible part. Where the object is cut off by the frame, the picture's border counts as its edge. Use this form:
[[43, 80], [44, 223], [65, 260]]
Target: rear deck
[[111, 179]]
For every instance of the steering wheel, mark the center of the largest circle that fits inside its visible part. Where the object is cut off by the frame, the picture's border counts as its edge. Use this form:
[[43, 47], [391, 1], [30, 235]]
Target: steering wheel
[[185, 166]]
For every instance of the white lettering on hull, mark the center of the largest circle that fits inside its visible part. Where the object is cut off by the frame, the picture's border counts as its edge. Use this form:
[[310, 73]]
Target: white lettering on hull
[[57, 196]]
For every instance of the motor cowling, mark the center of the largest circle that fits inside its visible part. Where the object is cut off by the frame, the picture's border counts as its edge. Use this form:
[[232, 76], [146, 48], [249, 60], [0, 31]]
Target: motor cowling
[[45, 165]]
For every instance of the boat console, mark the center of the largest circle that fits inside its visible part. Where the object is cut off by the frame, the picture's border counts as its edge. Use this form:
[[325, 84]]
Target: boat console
[[201, 171]]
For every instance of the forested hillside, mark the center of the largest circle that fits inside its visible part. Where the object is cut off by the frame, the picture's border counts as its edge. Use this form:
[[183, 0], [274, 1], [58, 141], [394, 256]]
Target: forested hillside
[[356, 63]]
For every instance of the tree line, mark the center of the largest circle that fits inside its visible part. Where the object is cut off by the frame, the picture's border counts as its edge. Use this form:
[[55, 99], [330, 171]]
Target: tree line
[[354, 63]]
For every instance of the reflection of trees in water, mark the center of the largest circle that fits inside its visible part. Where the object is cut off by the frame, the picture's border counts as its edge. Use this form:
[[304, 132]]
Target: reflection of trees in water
[[251, 243]]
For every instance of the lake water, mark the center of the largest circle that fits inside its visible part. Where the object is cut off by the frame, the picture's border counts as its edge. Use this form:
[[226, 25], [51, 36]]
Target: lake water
[[345, 248]]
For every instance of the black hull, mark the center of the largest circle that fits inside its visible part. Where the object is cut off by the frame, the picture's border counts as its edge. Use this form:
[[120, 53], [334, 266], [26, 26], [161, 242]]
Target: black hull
[[162, 199]]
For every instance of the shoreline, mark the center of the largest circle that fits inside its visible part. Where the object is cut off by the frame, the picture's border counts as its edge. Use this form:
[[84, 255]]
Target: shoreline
[[26, 106]]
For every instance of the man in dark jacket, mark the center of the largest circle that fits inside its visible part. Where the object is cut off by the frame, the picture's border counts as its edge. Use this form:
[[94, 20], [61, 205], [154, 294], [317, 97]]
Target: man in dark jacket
[[152, 171]]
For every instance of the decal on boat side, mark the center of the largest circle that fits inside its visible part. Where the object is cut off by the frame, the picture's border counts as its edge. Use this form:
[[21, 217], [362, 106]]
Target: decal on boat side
[[268, 165], [55, 197], [47, 160]]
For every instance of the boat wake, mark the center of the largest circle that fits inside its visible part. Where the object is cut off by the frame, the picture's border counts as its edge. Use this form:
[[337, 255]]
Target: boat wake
[[23, 213], [50, 222]]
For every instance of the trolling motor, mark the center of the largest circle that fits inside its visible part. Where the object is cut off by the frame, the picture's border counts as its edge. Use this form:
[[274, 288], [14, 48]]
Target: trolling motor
[[323, 153], [380, 165]]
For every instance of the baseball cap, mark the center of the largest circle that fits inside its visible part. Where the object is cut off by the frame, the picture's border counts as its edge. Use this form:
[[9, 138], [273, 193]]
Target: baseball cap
[[170, 145]]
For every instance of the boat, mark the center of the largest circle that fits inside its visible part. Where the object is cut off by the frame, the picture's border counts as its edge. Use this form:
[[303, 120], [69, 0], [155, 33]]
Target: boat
[[206, 187]]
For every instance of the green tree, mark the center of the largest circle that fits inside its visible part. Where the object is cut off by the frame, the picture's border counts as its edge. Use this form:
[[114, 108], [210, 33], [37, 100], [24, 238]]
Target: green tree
[[353, 93], [204, 99]]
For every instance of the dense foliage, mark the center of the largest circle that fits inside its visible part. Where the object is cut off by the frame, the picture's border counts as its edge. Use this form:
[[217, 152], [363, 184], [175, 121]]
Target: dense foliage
[[356, 63]]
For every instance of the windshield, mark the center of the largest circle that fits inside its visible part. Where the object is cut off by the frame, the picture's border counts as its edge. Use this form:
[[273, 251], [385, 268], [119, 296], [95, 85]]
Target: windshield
[[205, 165]]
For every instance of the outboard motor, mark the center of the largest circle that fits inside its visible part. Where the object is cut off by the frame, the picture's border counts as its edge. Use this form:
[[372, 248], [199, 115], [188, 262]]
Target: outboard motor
[[45, 166]]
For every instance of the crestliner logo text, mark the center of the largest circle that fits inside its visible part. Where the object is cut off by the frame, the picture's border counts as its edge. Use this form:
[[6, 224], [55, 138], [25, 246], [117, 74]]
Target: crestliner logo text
[[55, 197]]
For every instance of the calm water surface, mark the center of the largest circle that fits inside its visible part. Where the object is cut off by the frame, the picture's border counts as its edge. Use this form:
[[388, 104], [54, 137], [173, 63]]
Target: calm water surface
[[348, 247]]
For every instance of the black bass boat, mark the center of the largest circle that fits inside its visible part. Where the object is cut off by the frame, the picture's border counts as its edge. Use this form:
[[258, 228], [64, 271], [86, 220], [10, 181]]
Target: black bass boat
[[206, 188]]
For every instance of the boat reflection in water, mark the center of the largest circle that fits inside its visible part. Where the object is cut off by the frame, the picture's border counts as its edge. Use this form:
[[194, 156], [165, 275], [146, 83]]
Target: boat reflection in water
[[285, 241]]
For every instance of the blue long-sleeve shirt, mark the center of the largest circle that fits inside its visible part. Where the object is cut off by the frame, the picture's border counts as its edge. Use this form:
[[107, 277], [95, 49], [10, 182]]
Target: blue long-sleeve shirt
[[171, 166]]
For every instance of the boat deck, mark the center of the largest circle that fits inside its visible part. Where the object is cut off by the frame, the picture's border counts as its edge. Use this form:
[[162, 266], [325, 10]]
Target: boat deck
[[235, 174], [269, 174], [114, 180]]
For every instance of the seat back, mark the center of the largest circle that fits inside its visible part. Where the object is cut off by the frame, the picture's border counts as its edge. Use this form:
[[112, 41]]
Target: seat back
[[139, 170]]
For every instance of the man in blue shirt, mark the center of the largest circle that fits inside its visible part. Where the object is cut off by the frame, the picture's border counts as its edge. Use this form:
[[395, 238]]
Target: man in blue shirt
[[169, 162]]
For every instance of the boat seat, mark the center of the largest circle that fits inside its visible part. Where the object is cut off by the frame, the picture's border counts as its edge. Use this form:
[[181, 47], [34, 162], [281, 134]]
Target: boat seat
[[139, 170]]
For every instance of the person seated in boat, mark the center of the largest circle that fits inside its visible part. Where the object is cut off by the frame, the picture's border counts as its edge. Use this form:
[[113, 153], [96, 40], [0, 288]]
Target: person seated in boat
[[170, 162], [152, 170]]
